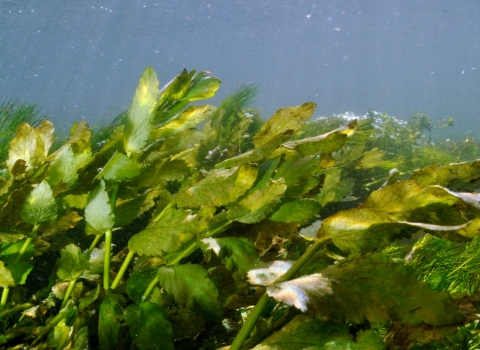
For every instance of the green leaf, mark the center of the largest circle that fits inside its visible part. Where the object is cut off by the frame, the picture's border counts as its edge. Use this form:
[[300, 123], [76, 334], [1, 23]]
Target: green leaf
[[369, 288], [237, 254], [327, 143], [110, 320], [6, 278], [139, 122], [188, 119], [219, 188], [71, 263], [163, 171], [299, 173], [11, 250], [40, 206], [296, 210], [20, 271], [128, 210], [119, 167], [30, 145], [149, 326], [305, 333], [457, 176], [258, 204], [63, 168], [98, 212], [377, 221], [290, 118], [176, 227], [191, 287], [139, 282], [333, 188], [90, 297]]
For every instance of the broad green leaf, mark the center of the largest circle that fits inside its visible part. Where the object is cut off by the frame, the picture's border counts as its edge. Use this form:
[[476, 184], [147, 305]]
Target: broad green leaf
[[81, 339], [258, 204], [71, 263], [188, 119], [139, 122], [59, 336], [369, 288], [6, 278], [169, 234], [305, 333], [163, 171], [128, 210], [9, 214], [237, 254], [299, 174], [296, 210], [191, 287], [89, 298], [327, 143], [255, 155], [98, 212], [376, 222], [459, 176], [138, 283], [40, 206], [119, 167], [10, 251], [203, 87], [64, 223], [110, 320], [334, 189], [20, 271], [149, 326], [63, 168], [30, 145], [219, 188], [290, 118], [96, 260]]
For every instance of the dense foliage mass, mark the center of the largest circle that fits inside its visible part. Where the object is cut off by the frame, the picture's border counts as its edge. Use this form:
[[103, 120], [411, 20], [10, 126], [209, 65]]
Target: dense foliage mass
[[187, 226]]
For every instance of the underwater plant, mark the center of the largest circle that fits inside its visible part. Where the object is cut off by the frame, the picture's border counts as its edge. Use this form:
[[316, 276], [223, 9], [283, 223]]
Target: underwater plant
[[12, 114], [168, 235]]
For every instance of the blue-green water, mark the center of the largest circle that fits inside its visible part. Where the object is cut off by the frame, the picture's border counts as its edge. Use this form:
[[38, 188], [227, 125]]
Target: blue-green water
[[82, 59]]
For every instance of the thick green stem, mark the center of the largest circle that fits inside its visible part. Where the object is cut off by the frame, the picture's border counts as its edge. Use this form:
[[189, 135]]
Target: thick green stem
[[3, 302], [250, 322], [106, 261], [124, 267], [183, 254], [263, 302], [150, 288], [69, 292], [113, 197], [14, 310], [93, 245]]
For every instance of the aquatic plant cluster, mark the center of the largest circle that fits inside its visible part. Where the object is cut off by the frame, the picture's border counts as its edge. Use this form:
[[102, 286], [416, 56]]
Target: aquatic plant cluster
[[186, 226]]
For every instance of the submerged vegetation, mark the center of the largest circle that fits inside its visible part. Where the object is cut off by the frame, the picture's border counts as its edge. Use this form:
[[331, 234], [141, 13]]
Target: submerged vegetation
[[186, 226]]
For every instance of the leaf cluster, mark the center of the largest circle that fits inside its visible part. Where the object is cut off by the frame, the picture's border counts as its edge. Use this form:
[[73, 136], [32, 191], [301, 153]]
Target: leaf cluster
[[218, 229]]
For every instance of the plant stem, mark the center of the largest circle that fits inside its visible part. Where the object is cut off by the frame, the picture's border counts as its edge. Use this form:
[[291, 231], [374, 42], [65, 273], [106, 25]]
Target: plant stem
[[69, 291], [124, 267], [3, 302], [108, 241], [149, 288], [106, 261], [160, 215], [14, 310], [94, 243], [113, 197], [250, 323], [183, 254], [263, 302]]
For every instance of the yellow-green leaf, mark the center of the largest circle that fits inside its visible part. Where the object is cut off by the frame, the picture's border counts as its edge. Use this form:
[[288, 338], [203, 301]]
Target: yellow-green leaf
[[139, 122], [98, 212], [219, 188], [290, 118], [40, 206]]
